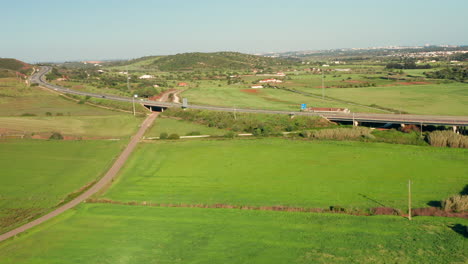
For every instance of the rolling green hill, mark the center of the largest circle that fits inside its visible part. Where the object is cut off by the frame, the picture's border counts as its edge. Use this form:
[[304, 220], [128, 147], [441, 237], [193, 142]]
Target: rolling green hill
[[9, 66], [206, 61]]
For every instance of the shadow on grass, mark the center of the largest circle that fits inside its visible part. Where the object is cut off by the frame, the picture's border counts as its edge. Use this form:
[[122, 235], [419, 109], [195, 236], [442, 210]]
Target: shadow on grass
[[437, 204], [372, 200], [465, 190], [460, 229]]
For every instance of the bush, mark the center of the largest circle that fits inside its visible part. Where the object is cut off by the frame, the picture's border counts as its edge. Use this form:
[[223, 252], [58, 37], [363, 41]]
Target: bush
[[230, 134], [194, 133], [447, 139], [173, 136], [56, 136], [456, 203], [163, 135], [48, 114], [28, 114], [59, 114], [343, 133]]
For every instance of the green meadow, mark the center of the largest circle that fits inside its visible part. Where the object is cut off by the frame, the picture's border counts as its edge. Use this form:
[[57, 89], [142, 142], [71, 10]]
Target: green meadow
[[310, 174], [242, 96], [431, 99], [105, 233], [34, 110], [37, 175]]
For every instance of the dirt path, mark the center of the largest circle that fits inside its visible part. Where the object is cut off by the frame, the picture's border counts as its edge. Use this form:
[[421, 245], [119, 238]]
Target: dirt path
[[111, 173]]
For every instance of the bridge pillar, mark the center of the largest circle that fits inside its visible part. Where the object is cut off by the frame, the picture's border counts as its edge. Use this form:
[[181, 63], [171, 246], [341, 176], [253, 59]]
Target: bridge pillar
[[355, 123], [455, 130]]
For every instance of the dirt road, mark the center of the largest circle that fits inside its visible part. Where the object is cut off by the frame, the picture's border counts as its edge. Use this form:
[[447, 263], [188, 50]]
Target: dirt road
[[111, 173]]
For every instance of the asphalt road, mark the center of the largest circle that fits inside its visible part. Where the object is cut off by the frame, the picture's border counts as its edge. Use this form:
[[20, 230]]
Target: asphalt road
[[111, 173], [39, 77]]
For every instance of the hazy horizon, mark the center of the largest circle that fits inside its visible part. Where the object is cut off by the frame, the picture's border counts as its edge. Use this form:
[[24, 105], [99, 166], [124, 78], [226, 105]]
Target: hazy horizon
[[107, 30]]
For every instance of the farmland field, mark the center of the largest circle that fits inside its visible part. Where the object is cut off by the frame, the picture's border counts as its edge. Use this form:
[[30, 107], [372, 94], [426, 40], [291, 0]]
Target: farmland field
[[311, 174], [89, 126], [37, 175], [268, 98], [33, 110], [432, 99], [105, 233], [17, 99]]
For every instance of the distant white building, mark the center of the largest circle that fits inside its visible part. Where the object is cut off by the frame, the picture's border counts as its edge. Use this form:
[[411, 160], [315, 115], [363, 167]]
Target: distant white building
[[146, 76], [256, 86], [270, 81]]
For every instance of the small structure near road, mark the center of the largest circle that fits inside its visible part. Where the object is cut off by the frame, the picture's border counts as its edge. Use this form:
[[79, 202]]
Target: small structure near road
[[270, 81], [328, 110], [256, 86], [146, 76]]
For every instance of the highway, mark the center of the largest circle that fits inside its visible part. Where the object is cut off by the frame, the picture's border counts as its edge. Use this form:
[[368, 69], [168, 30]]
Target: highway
[[39, 77]]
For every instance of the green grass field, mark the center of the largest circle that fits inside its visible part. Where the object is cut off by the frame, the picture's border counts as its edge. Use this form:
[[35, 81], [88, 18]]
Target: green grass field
[[55, 113], [241, 96], [37, 175], [17, 99], [181, 127], [312, 174], [90, 126], [434, 99], [103, 233]]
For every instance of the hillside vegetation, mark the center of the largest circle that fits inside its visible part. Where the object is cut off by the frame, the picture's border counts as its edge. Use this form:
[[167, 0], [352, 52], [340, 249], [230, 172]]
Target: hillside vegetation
[[207, 61], [7, 65]]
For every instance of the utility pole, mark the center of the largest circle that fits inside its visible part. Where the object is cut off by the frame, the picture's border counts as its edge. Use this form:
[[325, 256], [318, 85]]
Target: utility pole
[[409, 199], [133, 100], [128, 81], [323, 85]]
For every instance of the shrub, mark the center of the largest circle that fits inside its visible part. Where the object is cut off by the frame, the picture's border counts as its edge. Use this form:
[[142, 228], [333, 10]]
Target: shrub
[[342, 133], [230, 134], [305, 134], [56, 136], [194, 133], [59, 114], [48, 114], [163, 135], [447, 139], [456, 203], [28, 114], [173, 136]]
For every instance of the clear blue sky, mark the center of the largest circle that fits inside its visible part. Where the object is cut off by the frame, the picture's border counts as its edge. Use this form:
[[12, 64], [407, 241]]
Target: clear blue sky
[[48, 30]]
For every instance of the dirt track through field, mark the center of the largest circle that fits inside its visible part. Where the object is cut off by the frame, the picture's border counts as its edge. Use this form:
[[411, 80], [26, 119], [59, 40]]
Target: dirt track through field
[[111, 173]]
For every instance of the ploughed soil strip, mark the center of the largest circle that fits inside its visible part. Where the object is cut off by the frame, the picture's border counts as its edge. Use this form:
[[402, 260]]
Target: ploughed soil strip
[[430, 211], [111, 173]]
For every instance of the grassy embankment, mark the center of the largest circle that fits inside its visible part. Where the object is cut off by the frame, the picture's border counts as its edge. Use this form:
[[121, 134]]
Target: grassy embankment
[[181, 127]]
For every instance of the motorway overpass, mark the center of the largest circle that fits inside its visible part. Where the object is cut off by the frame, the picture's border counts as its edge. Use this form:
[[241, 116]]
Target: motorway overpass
[[355, 118]]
